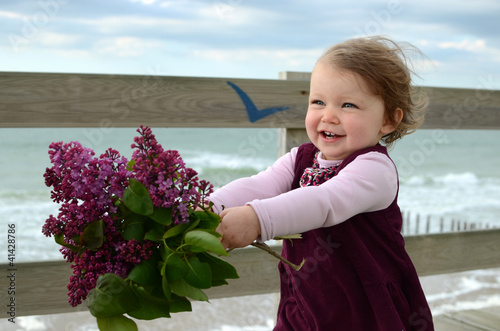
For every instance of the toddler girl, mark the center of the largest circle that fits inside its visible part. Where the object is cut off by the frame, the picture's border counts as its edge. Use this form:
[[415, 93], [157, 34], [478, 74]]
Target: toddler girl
[[340, 192]]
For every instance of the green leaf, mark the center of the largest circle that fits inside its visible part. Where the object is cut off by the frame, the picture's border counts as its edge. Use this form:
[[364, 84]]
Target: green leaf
[[146, 273], [134, 227], [162, 215], [59, 238], [202, 241], [155, 232], [111, 297], [174, 267], [200, 274], [183, 289], [154, 235], [193, 224], [164, 253], [212, 232], [117, 323], [219, 282], [167, 292], [179, 304], [221, 269], [136, 197], [176, 230], [130, 165], [150, 306], [208, 220], [93, 235]]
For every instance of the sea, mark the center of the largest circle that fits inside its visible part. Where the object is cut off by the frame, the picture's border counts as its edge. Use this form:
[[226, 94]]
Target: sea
[[446, 177]]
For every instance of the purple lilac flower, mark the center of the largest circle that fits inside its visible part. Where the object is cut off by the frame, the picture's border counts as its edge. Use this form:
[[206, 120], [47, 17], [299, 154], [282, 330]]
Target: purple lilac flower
[[89, 188], [170, 183]]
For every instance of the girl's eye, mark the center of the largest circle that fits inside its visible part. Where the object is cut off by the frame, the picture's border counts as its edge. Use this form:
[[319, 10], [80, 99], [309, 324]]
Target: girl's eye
[[349, 105], [318, 102]]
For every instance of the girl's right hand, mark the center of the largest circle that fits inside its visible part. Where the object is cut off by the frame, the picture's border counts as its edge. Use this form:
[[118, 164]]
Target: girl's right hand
[[239, 227]]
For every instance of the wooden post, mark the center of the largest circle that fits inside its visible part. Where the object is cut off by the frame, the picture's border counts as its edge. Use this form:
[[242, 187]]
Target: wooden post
[[292, 137], [417, 224], [407, 223]]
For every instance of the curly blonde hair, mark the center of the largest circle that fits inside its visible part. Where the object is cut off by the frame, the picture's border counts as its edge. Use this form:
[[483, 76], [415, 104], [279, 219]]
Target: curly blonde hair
[[384, 65]]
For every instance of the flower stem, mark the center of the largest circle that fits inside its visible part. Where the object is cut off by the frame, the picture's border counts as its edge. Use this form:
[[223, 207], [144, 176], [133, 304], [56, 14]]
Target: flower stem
[[276, 255]]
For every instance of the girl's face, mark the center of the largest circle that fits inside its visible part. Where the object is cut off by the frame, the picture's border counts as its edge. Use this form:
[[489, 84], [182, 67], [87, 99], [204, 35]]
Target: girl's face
[[343, 116]]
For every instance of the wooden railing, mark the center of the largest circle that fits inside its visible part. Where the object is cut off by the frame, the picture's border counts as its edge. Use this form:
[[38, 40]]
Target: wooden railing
[[101, 102]]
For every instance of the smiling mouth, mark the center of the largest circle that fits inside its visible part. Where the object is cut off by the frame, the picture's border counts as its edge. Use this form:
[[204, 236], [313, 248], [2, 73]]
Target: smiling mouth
[[330, 135]]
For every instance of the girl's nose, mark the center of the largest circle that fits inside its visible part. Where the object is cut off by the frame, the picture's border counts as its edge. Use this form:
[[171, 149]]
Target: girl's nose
[[330, 115]]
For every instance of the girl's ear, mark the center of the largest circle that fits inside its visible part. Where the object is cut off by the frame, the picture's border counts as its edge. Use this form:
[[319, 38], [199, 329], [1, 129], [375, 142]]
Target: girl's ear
[[389, 126]]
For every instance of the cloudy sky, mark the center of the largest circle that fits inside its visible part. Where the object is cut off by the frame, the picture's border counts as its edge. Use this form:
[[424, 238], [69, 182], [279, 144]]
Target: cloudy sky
[[245, 38]]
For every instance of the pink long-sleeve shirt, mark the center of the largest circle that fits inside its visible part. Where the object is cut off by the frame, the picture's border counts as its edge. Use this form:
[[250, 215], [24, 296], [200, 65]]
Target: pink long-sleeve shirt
[[367, 184]]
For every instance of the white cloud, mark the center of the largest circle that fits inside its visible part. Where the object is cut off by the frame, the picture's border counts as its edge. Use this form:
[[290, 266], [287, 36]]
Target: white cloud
[[144, 2], [72, 54], [126, 46], [285, 58], [478, 48], [233, 12], [9, 14], [56, 39], [466, 44]]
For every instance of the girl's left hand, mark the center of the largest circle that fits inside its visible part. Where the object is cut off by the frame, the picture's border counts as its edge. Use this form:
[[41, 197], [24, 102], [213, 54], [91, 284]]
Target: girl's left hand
[[239, 227]]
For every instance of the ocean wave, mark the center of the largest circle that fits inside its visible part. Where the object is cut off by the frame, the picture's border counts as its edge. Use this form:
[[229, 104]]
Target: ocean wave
[[460, 197], [467, 178], [449, 179], [204, 161], [473, 304], [461, 291], [268, 327], [20, 194]]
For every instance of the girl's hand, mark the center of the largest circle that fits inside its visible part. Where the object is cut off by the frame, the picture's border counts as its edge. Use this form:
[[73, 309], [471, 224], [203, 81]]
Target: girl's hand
[[239, 227]]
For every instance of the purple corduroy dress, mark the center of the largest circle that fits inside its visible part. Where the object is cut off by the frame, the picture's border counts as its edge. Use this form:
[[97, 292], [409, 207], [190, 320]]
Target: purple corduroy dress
[[357, 274]]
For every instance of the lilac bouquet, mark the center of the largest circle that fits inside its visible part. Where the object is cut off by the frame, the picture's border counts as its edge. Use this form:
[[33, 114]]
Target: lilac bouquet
[[139, 238]]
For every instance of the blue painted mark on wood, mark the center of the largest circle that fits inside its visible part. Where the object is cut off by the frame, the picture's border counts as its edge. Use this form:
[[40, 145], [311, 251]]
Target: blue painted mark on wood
[[254, 114]]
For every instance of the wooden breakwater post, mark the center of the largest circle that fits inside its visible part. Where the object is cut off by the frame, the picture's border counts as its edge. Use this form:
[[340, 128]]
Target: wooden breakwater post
[[412, 224]]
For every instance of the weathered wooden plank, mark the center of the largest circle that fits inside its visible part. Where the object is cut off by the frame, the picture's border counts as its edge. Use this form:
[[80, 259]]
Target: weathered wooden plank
[[486, 319], [452, 108], [78, 100], [86, 100], [483, 319], [446, 323], [454, 252], [41, 286]]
